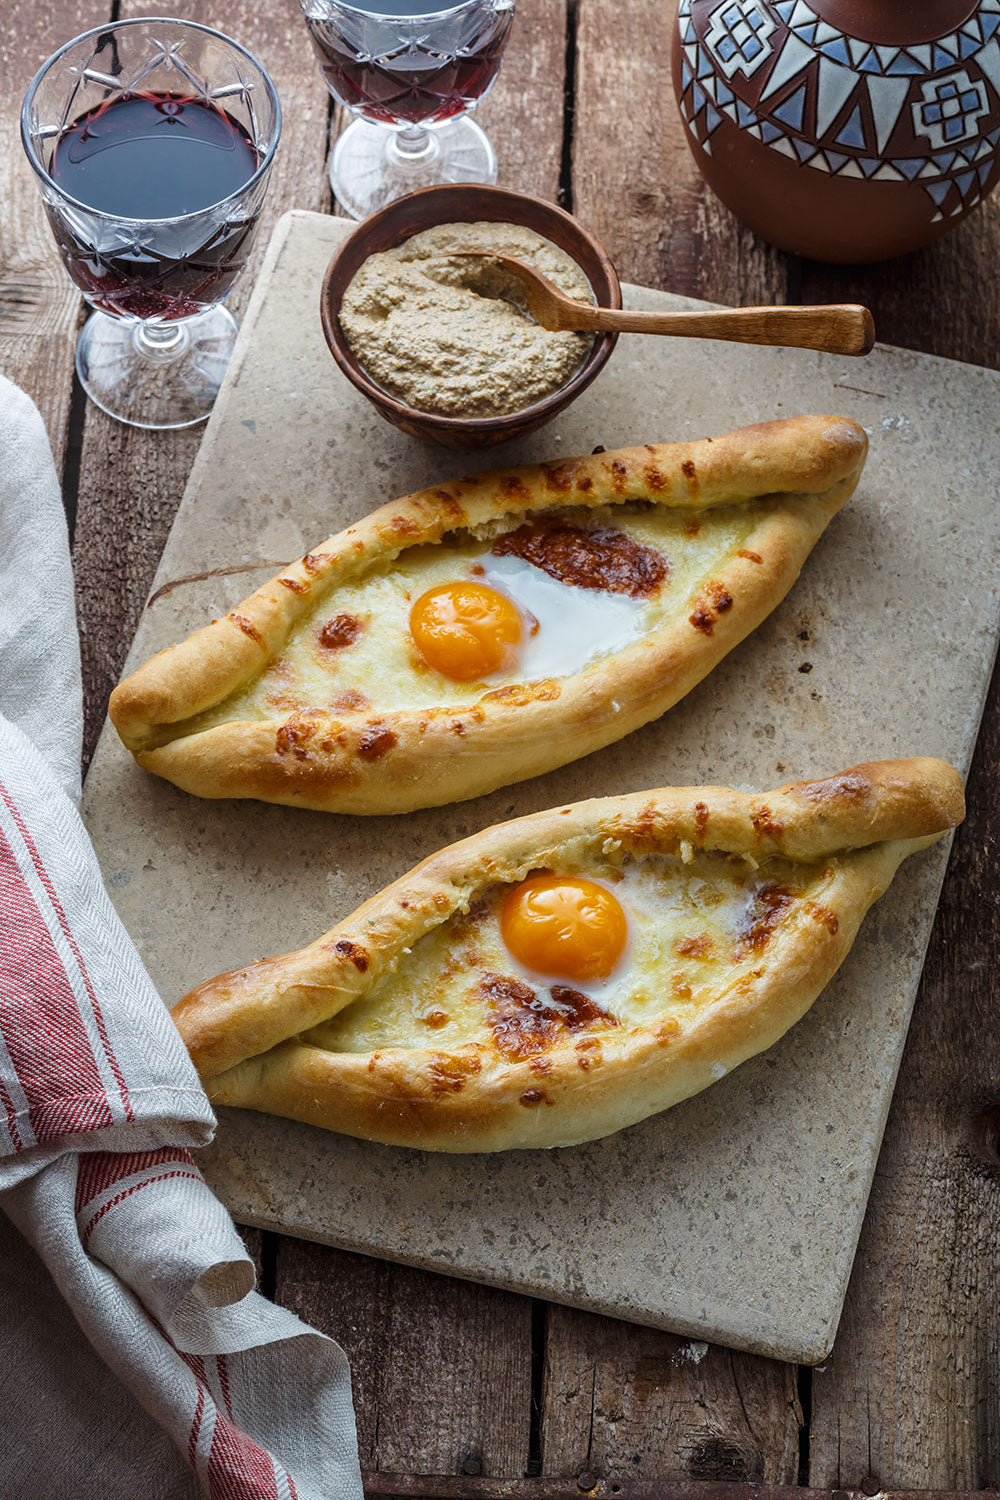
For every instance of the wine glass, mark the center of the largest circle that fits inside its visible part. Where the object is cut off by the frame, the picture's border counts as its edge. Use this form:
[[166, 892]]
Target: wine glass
[[152, 141], [411, 72]]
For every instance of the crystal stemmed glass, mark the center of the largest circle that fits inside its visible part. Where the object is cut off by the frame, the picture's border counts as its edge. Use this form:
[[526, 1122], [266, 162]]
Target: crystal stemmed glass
[[152, 142], [410, 71]]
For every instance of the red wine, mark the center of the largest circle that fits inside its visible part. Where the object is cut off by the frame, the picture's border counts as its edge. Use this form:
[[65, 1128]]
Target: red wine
[[154, 157], [418, 84]]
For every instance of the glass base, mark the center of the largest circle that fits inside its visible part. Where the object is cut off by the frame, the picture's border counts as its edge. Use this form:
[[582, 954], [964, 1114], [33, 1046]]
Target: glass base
[[371, 165], [156, 374]]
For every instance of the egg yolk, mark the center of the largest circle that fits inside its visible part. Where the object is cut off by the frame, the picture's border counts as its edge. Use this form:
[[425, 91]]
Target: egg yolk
[[465, 630], [564, 926]]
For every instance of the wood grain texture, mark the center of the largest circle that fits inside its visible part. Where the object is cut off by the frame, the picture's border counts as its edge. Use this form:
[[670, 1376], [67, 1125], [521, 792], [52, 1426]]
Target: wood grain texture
[[626, 1403], [523, 114], [635, 183], [911, 1395], [132, 480], [935, 299], [40, 309], [441, 1370]]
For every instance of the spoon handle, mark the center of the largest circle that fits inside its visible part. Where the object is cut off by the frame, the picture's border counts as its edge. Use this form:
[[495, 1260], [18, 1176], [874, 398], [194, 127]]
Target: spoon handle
[[838, 329]]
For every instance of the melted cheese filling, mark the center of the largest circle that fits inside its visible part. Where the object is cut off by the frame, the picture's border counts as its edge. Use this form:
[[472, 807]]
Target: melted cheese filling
[[696, 930], [370, 660]]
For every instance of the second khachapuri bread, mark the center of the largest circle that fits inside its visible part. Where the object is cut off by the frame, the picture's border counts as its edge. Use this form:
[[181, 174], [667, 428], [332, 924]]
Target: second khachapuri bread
[[494, 627]]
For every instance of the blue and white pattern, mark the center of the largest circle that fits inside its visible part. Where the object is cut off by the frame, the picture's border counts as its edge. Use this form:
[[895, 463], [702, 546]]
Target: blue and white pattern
[[738, 38], [951, 109], [861, 91]]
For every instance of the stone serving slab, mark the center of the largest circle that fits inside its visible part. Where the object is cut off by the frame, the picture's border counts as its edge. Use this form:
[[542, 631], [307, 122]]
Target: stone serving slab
[[733, 1217]]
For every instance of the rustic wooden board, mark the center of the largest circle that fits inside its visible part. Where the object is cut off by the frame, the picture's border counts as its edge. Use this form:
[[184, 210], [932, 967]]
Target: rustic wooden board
[[718, 1237]]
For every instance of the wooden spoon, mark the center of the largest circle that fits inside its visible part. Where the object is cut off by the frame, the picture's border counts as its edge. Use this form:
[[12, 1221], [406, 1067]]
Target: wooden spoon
[[840, 328]]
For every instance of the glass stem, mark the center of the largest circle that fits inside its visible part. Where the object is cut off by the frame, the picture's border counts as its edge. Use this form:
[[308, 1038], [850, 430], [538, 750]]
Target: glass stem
[[412, 142], [161, 343]]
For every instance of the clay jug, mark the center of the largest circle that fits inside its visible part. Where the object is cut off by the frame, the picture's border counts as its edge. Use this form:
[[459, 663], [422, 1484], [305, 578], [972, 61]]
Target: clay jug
[[843, 130]]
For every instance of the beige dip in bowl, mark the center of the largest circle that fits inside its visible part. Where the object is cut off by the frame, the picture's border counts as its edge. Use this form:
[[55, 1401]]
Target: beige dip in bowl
[[452, 336]]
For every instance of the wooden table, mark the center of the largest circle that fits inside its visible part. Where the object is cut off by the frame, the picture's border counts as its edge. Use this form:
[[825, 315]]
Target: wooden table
[[458, 1380]]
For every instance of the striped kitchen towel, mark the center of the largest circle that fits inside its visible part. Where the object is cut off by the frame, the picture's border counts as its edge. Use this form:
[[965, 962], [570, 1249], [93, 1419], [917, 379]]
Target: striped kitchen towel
[[138, 1358]]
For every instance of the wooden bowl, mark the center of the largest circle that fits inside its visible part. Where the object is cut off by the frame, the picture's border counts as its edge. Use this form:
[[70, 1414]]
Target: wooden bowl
[[466, 202]]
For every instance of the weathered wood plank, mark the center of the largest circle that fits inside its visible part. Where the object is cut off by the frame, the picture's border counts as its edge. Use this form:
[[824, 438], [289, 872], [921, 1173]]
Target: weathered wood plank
[[625, 1402], [523, 114], [635, 183], [39, 305], [442, 1378], [911, 1394], [622, 1401], [132, 480], [468, 1408], [416, 1487], [941, 300]]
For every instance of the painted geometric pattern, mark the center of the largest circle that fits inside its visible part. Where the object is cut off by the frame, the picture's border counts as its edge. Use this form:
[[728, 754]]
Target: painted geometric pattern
[[849, 71]]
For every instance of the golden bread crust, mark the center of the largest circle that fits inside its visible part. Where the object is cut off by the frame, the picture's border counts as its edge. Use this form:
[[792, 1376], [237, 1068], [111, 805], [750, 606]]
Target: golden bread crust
[[242, 1028], [402, 759]]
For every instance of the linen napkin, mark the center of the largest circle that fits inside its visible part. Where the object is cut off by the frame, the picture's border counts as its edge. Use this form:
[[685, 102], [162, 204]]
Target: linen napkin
[[138, 1358]]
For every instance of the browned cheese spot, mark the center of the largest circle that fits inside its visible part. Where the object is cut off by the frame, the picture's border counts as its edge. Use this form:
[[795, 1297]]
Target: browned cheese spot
[[667, 1028], [353, 951], [292, 737], [297, 585], [700, 819], [349, 701], [540, 1066], [458, 728], [823, 914], [515, 488], [694, 947], [691, 475], [560, 477], [342, 630], [680, 987], [588, 1053], [450, 506], [435, 1019], [764, 825], [586, 483], [375, 741], [404, 526], [619, 473], [601, 559], [313, 561], [768, 907], [579, 1009], [531, 1097], [753, 557], [449, 1072], [247, 627], [692, 526], [524, 1023], [714, 601]]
